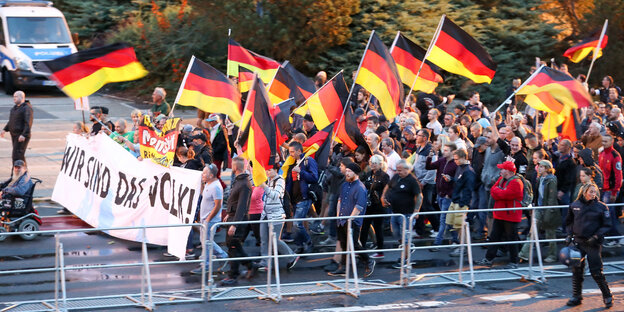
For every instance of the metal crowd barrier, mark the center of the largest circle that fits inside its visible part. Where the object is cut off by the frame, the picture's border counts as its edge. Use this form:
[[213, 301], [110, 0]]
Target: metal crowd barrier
[[352, 286], [146, 298], [498, 274], [276, 290]]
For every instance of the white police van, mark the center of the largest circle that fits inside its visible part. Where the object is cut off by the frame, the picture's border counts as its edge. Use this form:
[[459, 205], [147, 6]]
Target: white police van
[[30, 32]]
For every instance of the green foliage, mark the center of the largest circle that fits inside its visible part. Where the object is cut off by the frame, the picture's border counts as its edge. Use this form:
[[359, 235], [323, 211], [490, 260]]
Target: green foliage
[[510, 30]]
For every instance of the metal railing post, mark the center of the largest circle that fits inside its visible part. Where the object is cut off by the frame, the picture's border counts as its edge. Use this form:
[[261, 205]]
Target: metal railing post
[[148, 279], [466, 227], [351, 250], [275, 259], [534, 233], [268, 261], [56, 270], [203, 241], [62, 268], [406, 252], [210, 263]]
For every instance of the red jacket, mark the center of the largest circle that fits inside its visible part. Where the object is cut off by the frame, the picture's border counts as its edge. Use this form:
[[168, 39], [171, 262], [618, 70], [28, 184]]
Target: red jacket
[[611, 166], [507, 195]]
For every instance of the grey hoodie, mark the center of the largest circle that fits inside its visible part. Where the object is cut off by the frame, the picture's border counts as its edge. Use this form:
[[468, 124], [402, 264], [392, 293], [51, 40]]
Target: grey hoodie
[[424, 176], [490, 172]]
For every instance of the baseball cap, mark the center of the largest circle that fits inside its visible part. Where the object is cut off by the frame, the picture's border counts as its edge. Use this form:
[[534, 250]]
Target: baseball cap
[[480, 141], [213, 117], [19, 163], [200, 136], [508, 165]]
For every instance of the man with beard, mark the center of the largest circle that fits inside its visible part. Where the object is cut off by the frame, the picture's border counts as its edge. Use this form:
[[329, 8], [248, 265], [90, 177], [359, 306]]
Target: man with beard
[[19, 125]]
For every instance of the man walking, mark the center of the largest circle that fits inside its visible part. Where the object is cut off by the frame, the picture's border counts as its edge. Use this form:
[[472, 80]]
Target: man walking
[[237, 208], [19, 125], [352, 202]]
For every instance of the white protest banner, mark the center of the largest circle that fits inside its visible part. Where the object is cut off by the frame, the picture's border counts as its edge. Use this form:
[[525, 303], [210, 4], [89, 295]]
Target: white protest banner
[[82, 103], [102, 184]]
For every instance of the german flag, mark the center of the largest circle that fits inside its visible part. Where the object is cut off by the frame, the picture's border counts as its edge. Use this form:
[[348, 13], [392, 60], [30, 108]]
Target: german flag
[[578, 52], [379, 75], [281, 115], [83, 73], [245, 78], [561, 86], [261, 143], [327, 106], [457, 52], [317, 146], [241, 57], [408, 57], [209, 90], [305, 84], [283, 87], [565, 125]]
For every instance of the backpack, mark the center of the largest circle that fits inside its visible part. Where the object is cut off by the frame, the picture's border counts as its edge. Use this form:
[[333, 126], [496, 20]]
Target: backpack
[[527, 196]]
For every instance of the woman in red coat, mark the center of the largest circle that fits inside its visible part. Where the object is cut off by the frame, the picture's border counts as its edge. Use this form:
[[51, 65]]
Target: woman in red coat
[[507, 192]]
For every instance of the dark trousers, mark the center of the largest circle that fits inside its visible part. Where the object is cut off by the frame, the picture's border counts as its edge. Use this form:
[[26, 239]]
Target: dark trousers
[[19, 148], [427, 205], [253, 227], [342, 238], [592, 253], [503, 231], [378, 224], [235, 250]]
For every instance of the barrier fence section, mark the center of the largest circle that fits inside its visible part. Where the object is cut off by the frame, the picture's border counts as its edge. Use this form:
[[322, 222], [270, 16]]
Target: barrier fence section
[[276, 290], [146, 298]]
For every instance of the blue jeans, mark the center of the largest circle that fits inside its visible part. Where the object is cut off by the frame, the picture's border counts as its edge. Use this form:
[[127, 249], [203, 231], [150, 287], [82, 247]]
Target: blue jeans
[[565, 200], [331, 212], [218, 251], [396, 225], [480, 201], [444, 203], [282, 248], [301, 211]]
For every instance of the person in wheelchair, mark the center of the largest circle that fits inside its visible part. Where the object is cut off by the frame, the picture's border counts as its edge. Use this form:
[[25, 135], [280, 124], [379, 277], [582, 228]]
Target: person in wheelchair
[[19, 183]]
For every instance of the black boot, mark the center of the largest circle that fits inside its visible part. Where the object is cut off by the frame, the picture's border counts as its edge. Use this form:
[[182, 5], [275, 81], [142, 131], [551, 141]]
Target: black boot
[[601, 281], [577, 287]]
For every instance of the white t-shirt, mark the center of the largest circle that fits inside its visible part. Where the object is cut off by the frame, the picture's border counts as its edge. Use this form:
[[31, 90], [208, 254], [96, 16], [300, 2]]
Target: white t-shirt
[[435, 126], [392, 159], [212, 192]]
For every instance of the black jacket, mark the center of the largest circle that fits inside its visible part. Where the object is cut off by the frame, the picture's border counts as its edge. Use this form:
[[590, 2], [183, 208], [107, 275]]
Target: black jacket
[[238, 201], [565, 171], [20, 120], [586, 219], [219, 146]]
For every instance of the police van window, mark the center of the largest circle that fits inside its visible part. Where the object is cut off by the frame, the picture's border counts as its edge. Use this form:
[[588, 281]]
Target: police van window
[[37, 30], [2, 42]]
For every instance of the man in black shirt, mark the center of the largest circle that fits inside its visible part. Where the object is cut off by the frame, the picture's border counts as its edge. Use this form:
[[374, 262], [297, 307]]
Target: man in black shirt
[[19, 125], [403, 194]]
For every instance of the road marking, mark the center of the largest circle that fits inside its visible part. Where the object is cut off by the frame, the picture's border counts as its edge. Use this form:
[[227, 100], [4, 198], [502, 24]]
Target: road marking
[[597, 291], [383, 307], [513, 297]]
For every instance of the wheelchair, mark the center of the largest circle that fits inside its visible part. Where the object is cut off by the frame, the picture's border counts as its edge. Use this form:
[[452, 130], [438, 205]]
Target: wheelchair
[[17, 214]]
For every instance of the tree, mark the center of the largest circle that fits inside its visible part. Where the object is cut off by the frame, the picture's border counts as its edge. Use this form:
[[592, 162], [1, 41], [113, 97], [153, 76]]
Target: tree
[[294, 30]]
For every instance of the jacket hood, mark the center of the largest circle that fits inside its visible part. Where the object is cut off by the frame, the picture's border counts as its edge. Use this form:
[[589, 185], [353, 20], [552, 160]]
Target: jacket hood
[[586, 155]]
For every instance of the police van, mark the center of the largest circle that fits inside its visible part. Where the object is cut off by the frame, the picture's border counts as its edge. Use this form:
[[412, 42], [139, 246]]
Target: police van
[[31, 32]]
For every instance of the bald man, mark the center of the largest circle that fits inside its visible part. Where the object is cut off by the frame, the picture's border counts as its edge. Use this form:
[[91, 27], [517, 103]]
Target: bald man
[[19, 125]]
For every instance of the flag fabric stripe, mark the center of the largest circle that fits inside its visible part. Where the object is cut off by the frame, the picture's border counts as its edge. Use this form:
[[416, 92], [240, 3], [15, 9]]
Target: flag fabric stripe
[[283, 87], [561, 86], [209, 90], [77, 71], [90, 84], [578, 52], [83, 73], [543, 101], [317, 146], [245, 79], [119, 49], [327, 104], [278, 92], [239, 56], [349, 132], [457, 52], [305, 84], [261, 145], [408, 57], [378, 74], [281, 115]]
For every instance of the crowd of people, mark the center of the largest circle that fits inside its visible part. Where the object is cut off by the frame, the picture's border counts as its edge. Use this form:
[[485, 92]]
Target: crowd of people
[[439, 154]]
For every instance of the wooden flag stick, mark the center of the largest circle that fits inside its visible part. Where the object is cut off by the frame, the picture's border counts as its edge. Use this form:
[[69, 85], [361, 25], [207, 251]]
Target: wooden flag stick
[[595, 54]]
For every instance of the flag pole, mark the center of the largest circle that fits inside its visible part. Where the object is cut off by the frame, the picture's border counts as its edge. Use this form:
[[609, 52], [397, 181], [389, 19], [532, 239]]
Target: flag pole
[[598, 47], [227, 63], [188, 70], [519, 88], [315, 92], [344, 109], [431, 44]]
